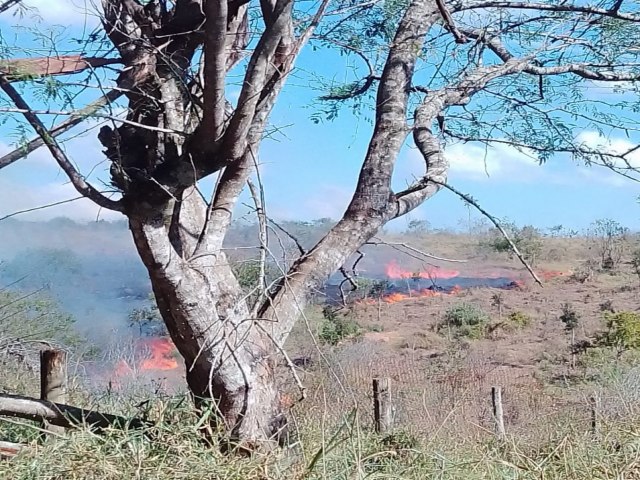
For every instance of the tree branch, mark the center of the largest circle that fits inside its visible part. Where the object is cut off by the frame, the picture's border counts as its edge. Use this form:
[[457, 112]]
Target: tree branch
[[215, 68], [25, 68], [550, 7], [493, 220], [75, 119], [77, 180], [7, 4], [579, 69], [448, 20]]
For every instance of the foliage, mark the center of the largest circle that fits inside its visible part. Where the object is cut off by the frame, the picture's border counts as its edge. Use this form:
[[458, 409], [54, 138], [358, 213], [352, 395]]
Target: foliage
[[635, 262], [527, 239], [336, 326], [623, 331], [467, 320], [418, 227], [40, 267], [584, 272], [519, 319], [607, 306], [148, 320], [33, 317], [569, 317], [497, 300], [378, 288], [608, 238]]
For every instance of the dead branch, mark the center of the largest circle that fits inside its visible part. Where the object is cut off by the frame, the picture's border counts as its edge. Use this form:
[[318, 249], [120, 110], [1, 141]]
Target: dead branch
[[258, 199], [63, 415], [95, 115], [10, 449], [493, 220], [299, 246], [41, 207], [379, 241], [7, 4], [24, 68]]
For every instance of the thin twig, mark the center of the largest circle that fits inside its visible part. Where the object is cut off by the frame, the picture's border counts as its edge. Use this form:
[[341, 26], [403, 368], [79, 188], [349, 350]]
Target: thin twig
[[76, 118], [413, 249], [493, 220], [20, 212], [25, 110], [60, 156]]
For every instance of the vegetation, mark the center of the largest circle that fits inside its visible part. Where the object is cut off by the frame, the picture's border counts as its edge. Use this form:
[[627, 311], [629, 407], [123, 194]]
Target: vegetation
[[518, 320], [466, 320], [608, 237], [623, 331], [569, 317], [336, 326], [635, 262], [527, 239]]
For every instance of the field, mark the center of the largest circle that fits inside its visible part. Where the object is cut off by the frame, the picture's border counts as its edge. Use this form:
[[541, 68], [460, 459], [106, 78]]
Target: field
[[570, 398]]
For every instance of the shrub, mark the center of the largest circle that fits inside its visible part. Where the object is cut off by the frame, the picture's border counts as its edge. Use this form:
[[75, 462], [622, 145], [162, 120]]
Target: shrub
[[527, 239], [569, 317], [623, 331], [608, 237], [584, 272], [519, 319], [336, 327], [467, 319], [635, 262]]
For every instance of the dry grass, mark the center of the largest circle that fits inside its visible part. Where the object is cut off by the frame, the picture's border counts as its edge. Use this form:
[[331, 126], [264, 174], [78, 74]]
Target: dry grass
[[441, 391]]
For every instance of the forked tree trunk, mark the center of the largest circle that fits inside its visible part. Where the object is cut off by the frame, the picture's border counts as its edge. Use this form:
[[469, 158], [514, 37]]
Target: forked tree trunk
[[227, 360]]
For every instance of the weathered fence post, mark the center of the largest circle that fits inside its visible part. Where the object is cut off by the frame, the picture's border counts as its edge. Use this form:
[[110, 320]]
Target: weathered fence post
[[382, 406], [498, 413], [595, 414], [53, 380]]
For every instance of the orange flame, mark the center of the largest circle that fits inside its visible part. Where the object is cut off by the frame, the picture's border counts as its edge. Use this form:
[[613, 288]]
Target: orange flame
[[161, 355], [393, 271]]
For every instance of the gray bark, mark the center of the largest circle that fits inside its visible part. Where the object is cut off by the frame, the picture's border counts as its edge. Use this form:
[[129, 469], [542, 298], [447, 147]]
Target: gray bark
[[182, 129]]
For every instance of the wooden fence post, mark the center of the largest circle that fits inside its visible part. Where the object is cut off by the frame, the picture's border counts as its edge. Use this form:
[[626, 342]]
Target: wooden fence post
[[595, 414], [498, 413], [53, 380], [382, 407]]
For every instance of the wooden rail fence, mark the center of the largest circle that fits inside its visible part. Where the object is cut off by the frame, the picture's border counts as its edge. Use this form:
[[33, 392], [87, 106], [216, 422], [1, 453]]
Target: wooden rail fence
[[51, 409]]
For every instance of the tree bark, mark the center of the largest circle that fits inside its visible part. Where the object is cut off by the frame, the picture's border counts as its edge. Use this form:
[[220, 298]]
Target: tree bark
[[228, 360]]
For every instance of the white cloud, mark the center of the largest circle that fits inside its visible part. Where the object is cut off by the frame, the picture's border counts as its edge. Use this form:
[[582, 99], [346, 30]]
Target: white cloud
[[613, 146], [474, 161]]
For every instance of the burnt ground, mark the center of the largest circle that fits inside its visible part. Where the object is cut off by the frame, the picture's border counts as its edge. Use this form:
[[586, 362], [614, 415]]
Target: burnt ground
[[442, 383]]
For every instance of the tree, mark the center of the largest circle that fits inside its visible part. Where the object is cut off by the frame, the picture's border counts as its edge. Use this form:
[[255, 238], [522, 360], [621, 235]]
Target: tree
[[608, 237], [491, 71]]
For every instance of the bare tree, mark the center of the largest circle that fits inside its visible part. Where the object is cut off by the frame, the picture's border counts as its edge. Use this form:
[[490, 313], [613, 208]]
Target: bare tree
[[471, 70]]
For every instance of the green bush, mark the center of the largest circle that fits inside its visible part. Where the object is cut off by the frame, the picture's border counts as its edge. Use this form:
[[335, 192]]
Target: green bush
[[569, 317], [336, 327], [467, 320], [527, 239], [519, 320], [623, 331]]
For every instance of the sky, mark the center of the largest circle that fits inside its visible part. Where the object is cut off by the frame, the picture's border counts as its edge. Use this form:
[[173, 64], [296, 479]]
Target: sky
[[309, 170]]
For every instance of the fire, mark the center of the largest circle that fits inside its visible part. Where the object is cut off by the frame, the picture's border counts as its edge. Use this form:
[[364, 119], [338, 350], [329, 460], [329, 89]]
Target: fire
[[122, 369], [395, 272], [549, 274], [161, 355]]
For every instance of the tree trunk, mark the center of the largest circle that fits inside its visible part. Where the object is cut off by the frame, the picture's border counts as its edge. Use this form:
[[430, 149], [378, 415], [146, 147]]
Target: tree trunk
[[228, 360]]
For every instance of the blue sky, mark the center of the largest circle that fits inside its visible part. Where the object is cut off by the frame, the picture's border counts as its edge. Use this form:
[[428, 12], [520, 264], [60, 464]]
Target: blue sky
[[309, 170]]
